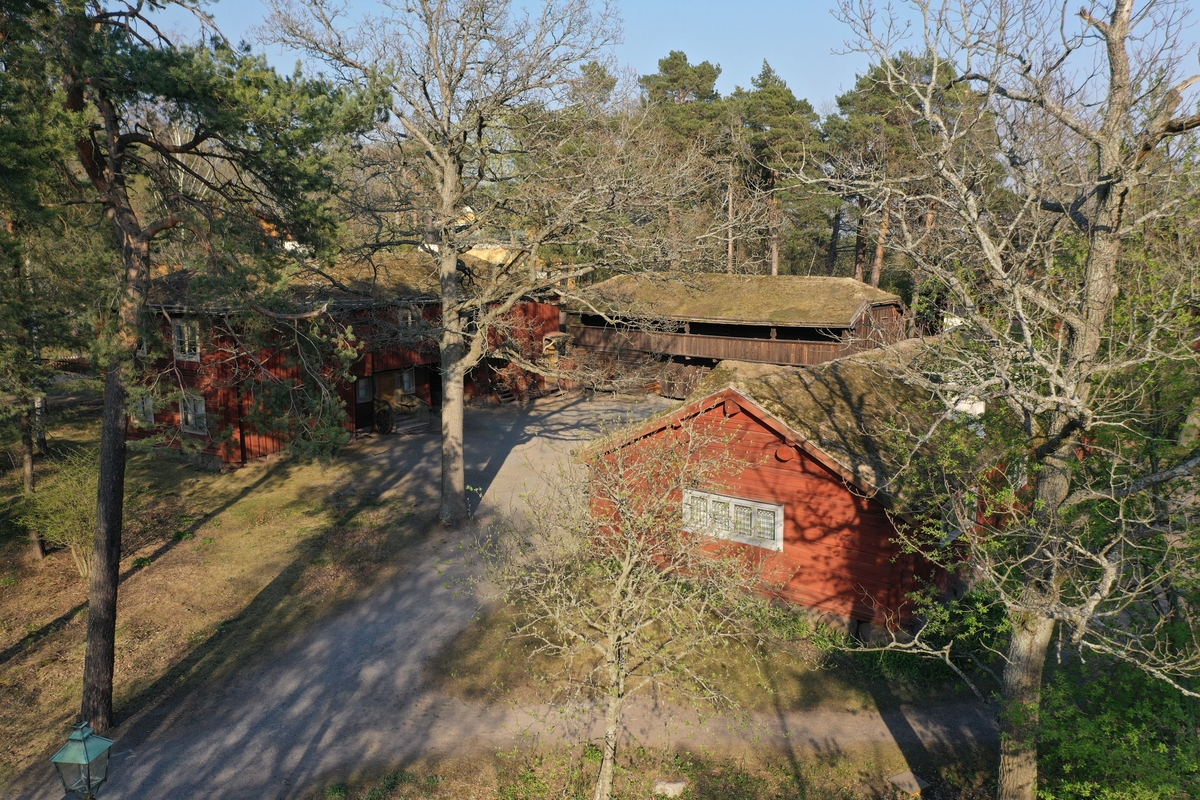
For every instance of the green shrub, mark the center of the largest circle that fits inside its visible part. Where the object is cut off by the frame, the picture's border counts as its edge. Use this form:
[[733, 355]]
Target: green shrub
[[1111, 732], [337, 792], [63, 512]]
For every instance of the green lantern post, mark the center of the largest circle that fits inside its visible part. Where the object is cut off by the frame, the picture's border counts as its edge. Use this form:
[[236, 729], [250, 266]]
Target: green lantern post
[[82, 763]]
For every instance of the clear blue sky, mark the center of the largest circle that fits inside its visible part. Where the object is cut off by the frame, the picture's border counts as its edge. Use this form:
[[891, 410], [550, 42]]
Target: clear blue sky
[[796, 37]]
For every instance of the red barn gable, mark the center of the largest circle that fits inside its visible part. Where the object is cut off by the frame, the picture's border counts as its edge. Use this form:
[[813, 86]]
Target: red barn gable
[[799, 478]]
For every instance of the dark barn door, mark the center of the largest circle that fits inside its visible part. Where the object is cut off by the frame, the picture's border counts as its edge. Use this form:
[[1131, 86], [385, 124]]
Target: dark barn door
[[364, 404]]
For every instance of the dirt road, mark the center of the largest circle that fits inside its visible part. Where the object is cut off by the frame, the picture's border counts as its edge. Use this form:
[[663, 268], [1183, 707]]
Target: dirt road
[[350, 692]]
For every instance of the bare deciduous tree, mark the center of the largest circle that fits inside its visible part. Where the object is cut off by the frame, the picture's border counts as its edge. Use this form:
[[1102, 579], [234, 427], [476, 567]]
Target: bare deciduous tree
[[500, 137], [1064, 251], [605, 579]]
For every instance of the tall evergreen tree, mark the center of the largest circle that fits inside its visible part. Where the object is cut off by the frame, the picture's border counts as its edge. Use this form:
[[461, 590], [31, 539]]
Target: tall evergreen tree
[[198, 144]]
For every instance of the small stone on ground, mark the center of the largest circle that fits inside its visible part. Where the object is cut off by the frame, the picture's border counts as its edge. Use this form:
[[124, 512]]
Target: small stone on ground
[[909, 782], [669, 788]]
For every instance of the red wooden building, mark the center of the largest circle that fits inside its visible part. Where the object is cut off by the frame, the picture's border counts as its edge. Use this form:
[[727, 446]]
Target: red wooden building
[[393, 386], [799, 478], [693, 322]]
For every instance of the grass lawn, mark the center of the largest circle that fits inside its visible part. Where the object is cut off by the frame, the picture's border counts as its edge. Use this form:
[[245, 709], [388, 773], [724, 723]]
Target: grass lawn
[[570, 773], [216, 570], [484, 664]]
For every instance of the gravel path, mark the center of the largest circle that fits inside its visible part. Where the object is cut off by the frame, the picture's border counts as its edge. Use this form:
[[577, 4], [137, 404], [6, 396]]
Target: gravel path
[[350, 693]]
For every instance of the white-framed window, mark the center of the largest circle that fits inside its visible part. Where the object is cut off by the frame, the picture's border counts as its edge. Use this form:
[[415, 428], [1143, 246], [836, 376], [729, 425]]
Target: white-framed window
[[145, 408], [192, 416], [409, 378], [186, 333], [365, 390], [725, 517]]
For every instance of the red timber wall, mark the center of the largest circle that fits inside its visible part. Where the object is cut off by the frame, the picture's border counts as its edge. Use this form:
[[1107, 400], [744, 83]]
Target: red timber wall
[[231, 438], [838, 555]]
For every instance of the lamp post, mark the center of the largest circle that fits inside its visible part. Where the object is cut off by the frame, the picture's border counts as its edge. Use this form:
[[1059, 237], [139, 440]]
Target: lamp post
[[82, 763]]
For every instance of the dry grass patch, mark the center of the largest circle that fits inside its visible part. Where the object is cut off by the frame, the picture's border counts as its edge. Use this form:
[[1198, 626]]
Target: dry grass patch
[[483, 663], [570, 772], [222, 568]]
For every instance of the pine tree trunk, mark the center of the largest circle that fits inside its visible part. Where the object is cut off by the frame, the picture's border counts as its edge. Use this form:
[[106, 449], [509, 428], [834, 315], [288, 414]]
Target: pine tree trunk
[[35, 540], [729, 235], [1022, 700], [877, 266], [919, 276], [98, 664], [860, 249], [39, 408], [774, 238], [834, 234]]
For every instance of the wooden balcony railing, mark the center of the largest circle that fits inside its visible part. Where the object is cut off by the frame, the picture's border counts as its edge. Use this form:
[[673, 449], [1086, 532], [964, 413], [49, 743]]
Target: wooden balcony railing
[[767, 351]]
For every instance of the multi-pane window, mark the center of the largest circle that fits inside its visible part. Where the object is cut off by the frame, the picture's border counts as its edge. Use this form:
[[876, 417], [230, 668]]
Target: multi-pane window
[[733, 518], [365, 390], [409, 381], [145, 408], [192, 417], [186, 333]]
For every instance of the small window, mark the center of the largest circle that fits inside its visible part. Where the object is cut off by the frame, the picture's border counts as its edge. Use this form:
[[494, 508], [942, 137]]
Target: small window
[[192, 416], [143, 348], [145, 408], [187, 340], [725, 517], [410, 381], [365, 390]]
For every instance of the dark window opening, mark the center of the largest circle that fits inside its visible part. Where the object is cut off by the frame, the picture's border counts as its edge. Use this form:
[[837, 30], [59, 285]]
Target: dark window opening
[[809, 334], [731, 331]]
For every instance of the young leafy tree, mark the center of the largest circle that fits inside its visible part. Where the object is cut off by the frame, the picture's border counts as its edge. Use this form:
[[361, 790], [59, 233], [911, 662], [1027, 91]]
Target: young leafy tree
[[49, 253], [200, 143], [606, 581], [1072, 270]]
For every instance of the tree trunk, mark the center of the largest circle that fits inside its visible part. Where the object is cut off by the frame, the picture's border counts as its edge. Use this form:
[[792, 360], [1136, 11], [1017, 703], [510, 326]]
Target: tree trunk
[[774, 238], [39, 409], [919, 276], [612, 726], [834, 234], [860, 248], [106, 558], [877, 266], [35, 540], [729, 234], [1022, 699], [454, 481]]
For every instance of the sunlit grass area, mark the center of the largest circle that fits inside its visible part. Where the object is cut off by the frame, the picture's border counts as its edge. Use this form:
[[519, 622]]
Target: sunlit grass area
[[537, 773], [217, 569]]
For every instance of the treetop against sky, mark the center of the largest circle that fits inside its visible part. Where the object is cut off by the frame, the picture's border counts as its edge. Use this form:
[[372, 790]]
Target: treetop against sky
[[797, 37]]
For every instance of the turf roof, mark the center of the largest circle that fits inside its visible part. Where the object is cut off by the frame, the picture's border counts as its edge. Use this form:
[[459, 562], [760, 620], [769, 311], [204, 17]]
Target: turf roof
[[784, 300], [854, 410]]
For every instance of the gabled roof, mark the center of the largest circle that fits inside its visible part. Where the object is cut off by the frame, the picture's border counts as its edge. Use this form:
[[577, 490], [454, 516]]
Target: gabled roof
[[409, 276], [782, 300], [852, 415]]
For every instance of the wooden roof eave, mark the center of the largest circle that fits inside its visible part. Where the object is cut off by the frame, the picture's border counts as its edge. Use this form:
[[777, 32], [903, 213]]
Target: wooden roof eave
[[736, 321], [779, 427]]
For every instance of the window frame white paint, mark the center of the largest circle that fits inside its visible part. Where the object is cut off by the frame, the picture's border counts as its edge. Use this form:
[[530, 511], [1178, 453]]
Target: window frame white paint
[[188, 414], [146, 410], [359, 384], [190, 338], [708, 528]]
